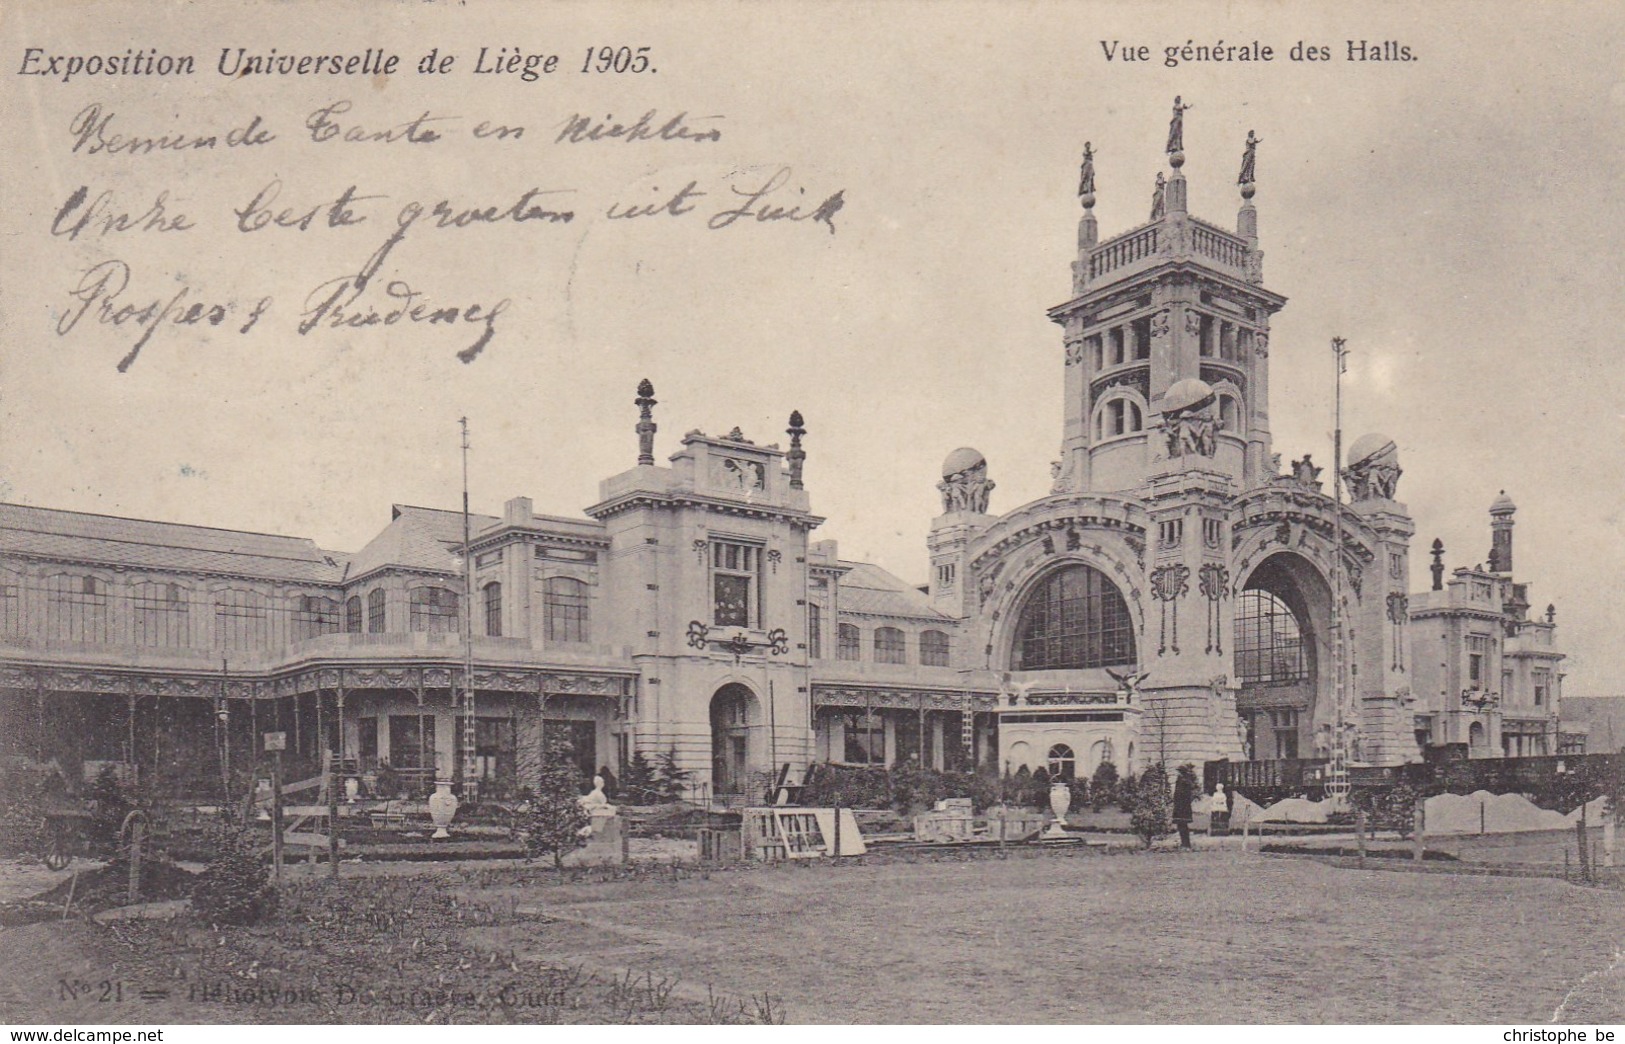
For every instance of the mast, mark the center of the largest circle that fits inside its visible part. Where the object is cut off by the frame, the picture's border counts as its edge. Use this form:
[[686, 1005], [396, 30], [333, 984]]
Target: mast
[[1337, 782], [469, 757]]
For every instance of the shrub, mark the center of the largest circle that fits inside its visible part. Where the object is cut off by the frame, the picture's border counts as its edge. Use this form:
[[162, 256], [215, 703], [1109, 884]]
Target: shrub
[[109, 806], [22, 813], [638, 780], [235, 887], [1152, 806], [1103, 785], [671, 781]]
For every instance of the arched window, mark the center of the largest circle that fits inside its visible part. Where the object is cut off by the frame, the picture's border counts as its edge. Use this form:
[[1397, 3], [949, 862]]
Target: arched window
[[1269, 641], [934, 648], [565, 608], [1100, 754], [850, 645], [1229, 414], [11, 604], [315, 615], [352, 615], [1119, 416], [160, 616], [890, 646], [242, 620], [75, 608], [815, 632], [375, 612], [493, 609], [1062, 762], [1074, 619], [434, 609]]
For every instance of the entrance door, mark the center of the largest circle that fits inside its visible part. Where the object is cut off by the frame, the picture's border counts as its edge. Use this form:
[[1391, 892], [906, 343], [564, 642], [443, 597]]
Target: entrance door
[[730, 739]]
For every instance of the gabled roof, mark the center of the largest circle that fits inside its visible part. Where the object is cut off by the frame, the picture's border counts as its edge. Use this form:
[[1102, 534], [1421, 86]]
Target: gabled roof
[[76, 536], [418, 538], [871, 590]]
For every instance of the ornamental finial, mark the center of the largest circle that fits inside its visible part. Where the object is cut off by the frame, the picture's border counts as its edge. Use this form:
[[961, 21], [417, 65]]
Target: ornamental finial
[[797, 457], [645, 402]]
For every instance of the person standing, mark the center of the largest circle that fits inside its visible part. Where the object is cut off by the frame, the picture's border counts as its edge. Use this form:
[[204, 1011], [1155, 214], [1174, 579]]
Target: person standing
[[1184, 802]]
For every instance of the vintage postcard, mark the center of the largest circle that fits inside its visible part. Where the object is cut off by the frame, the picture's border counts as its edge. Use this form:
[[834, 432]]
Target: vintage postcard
[[811, 513]]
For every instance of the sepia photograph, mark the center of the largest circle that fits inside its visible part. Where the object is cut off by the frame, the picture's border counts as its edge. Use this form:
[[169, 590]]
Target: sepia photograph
[[811, 513]]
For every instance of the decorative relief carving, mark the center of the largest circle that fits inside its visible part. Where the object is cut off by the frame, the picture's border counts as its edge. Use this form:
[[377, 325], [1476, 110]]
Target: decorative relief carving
[[1169, 583]]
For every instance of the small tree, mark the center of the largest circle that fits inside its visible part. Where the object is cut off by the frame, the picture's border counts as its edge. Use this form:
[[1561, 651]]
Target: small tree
[[235, 888], [556, 823], [1151, 817], [638, 780], [671, 780], [110, 806], [1103, 785]]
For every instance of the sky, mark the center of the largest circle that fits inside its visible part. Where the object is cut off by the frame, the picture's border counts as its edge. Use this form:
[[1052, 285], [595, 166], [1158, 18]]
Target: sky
[[1455, 218]]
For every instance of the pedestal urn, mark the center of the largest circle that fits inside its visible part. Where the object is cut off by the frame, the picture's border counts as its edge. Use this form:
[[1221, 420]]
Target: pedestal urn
[[442, 807]]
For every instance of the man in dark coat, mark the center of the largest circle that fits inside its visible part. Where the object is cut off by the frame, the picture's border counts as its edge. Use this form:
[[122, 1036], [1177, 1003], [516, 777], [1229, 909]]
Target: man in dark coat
[[1184, 799]]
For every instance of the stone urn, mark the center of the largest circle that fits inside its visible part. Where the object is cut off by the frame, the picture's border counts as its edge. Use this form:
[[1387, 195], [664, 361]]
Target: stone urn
[[1060, 800], [442, 807], [352, 789]]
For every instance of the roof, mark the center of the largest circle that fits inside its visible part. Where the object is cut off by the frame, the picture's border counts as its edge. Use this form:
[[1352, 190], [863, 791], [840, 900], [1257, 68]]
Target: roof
[[419, 538], [871, 590], [76, 536]]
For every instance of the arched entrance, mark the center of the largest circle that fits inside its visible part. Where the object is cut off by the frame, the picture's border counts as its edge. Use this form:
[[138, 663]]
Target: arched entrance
[[1074, 618], [1282, 638], [733, 713]]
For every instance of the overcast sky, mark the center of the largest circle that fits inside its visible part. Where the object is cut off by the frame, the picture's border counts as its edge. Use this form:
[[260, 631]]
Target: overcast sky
[[1456, 218]]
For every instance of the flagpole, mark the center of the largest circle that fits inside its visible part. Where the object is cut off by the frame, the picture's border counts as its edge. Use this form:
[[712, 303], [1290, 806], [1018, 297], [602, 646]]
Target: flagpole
[[469, 749], [1337, 784]]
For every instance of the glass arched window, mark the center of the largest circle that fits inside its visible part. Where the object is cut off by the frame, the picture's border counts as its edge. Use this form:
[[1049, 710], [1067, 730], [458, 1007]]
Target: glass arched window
[[934, 648], [352, 615], [1062, 762], [1100, 754], [1229, 414], [314, 615], [890, 645], [242, 620], [565, 608], [1120, 416], [850, 642], [434, 609], [76, 608], [375, 612], [493, 609], [1269, 641], [1075, 618], [161, 615]]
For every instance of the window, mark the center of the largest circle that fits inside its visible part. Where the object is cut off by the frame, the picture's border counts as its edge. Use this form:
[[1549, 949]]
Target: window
[[815, 632], [242, 620], [1142, 337], [493, 609], [736, 584], [367, 742], [1096, 349], [1074, 619], [1062, 762], [850, 642], [1116, 335], [75, 608], [1120, 417], [315, 615], [11, 610], [1101, 753], [434, 609], [352, 615], [1543, 685], [946, 575], [1478, 655], [375, 612], [1171, 532], [564, 606], [1269, 641], [865, 738], [1229, 414], [890, 645], [160, 617], [1205, 335], [934, 648], [1284, 729]]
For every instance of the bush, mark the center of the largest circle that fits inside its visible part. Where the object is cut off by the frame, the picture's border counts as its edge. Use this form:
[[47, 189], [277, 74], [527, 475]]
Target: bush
[[556, 821], [671, 781], [109, 805], [1103, 785], [1152, 806], [638, 780], [235, 888], [22, 813]]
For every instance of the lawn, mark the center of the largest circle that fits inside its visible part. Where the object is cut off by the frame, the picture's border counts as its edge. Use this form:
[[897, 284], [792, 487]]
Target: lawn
[[1211, 936]]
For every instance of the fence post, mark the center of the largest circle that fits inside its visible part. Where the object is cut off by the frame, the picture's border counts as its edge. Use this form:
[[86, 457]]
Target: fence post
[[1359, 832], [1418, 838]]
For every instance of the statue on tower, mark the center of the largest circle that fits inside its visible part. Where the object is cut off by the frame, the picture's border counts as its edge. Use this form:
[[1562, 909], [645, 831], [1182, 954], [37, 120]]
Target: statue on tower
[[1159, 196], [1188, 425], [965, 485], [1086, 176], [1373, 470], [1248, 158], [1176, 128]]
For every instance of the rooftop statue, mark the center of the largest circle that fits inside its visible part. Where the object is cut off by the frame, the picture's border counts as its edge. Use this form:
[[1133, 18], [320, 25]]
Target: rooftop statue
[[1159, 197], [1176, 128], [1248, 158], [1086, 175]]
